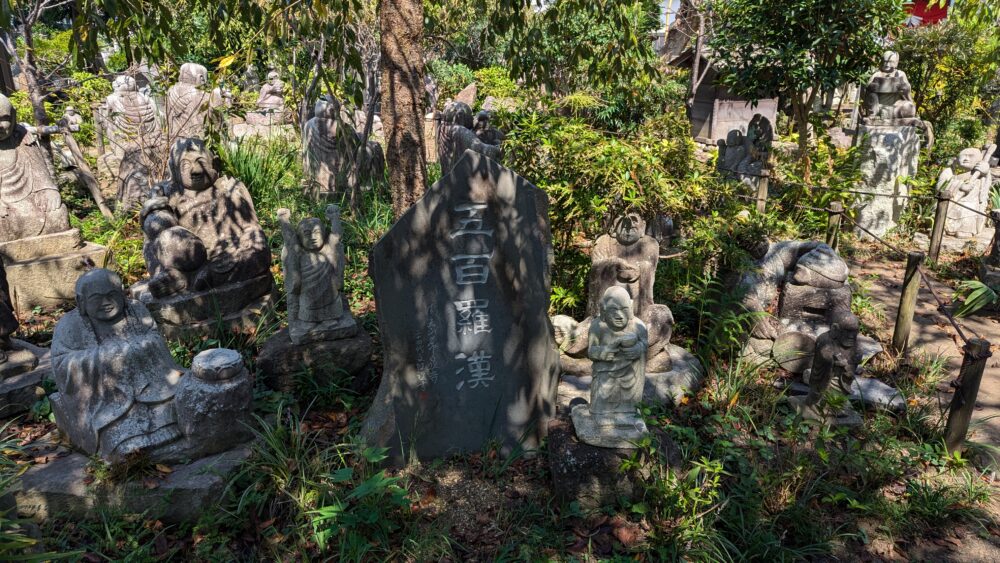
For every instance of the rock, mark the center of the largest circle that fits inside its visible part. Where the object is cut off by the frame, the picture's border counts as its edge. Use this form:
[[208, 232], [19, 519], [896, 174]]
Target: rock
[[45, 280], [615, 430], [17, 386], [462, 286], [821, 268], [236, 307], [59, 489], [810, 304], [468, 95], [281, 362], [868, 348], [888, 153], [873, 393], [793, 351]]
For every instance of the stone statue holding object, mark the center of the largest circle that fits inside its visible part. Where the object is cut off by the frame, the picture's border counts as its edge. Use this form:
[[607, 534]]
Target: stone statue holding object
[[835, 362], [617, 347], [888, 99], [970, 186], [313, 262], [121, 393]]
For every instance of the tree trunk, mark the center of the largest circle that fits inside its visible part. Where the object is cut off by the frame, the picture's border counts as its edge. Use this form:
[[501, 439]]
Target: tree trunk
[[30, 70], [401, 23], [801, 111]]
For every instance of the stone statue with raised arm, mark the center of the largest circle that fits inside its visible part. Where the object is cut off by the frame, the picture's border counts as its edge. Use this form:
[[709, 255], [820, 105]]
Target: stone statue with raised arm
[[969, 182]]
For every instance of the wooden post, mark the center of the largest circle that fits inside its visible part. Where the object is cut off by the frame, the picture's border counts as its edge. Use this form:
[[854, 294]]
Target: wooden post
[[833, 225], [907, 302], [98, 128], [940, 217], [977, 351], [762, 183]]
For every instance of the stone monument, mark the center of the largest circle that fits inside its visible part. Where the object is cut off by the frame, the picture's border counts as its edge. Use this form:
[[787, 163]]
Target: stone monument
[[321, 331], [969, 187], [208, 258], [188, 104], [42, 255], [617, 348], [462, 286], [835, 361], [121, 393], [455, 135], [627, 258]]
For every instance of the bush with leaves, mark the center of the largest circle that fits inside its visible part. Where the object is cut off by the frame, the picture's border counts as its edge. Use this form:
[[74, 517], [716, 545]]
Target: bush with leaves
[[494, 81], [450, 78]]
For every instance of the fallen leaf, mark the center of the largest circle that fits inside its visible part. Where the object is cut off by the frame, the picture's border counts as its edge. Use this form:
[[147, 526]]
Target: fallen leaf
[[163, 468]]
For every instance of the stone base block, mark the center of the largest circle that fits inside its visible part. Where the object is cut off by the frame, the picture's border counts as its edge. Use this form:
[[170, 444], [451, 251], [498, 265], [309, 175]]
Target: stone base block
[[17, 392], [888, 154], [303, 333], [867, 391], [281, 361], [42, 271], [237, 307], [616, 430], [58, 488]]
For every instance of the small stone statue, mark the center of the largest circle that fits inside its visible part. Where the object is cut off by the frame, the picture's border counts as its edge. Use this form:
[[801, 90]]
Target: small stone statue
[[835, 361], [970, 187], [270, 103], [30, 204], [132, 118], [888, 96], [313, 261], [201, 230], [486, 132], [617, 347], [455, 135], [744, 156], [120, 391], [72, 119], [188, 104], [328, 146]]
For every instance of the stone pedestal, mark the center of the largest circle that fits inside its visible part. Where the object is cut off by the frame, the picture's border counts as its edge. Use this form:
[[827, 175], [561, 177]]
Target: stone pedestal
[[42, 271], [888, 154], [236, 307], [26, 366], [59, 488], [281, 361]]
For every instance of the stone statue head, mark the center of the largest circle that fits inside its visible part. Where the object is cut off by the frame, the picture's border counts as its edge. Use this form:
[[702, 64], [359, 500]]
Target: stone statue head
[[734, 138], [125, 83], [312, 234], [628, 228], [845, 328], [482, 120], [327, 107], [890, 60], [8, 118], [968, 158], [272, 76], [70, 110], [616, 307], [100, 296], [191, 165], [193, 74], [458, 113]]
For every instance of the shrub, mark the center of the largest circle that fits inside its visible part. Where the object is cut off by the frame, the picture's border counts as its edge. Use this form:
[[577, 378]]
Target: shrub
[[451, 78], [494, 81]]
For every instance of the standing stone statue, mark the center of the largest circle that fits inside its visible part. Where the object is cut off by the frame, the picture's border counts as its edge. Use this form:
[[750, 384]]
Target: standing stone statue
[[30, 204], [617, 346], [330, 147], [835, 361], [120, 391], [188, 104], [203, 244], [455, 135], [971, 188], [132, 118], [270, 103]]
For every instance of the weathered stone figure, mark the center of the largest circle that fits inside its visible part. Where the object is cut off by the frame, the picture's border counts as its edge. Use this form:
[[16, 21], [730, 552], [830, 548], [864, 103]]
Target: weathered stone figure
[[328, 146], [313, 261], [455, 135], [73, 119], [485, 131], [8, 321], [617, 347], [835, 361], [188, 104], [270, 103], [970, 187], [132, 118], [746, 155], [30, 204], [201, 230], [888, 96], [120, 391]]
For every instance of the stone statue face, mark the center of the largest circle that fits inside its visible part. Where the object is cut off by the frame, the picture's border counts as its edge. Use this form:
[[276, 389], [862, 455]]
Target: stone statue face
[[627, 229], [8, 118], [272, 77], [968, 158], [890, 60], [191, 165], [100, 295], [70, 110], [616, 308], [125, 84], [312, 235]]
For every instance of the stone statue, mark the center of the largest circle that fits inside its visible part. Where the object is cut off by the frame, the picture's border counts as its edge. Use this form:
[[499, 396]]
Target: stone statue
[[188, 104], [732, 151], [970, 187], [455, 135], [270, 103], [486, 132], [313, 261], [744, 156], [72, 119], [120, 391], [8, 320], [330, 146], [989, 273], [132, 118], [30, 204], [617, 346], [201, 230], [887, 97], [834, 361]]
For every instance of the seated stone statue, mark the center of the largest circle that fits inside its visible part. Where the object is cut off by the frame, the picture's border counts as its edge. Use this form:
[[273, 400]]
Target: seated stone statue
[[834, 362], [188, 104], [732, 151], [970, 187], [132, 118], [485, 131], [30, 204], [72, 119], [270, 109], [201, 230], [759, 136], [617, 346], [455, 135], [313, 261], [120, 391], [888, 101]]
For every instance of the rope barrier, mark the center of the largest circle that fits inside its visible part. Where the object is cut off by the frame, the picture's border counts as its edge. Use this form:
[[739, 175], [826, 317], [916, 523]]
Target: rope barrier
[[859, 192], [963, 206]]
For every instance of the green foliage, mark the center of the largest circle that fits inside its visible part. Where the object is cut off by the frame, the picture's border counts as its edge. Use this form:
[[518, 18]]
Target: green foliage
[[450, 78], [494, 81], [975, 295]]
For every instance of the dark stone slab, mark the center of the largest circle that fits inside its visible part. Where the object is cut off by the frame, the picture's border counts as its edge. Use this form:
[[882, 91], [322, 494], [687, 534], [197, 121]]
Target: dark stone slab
[[478, 243], [281, 361]]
